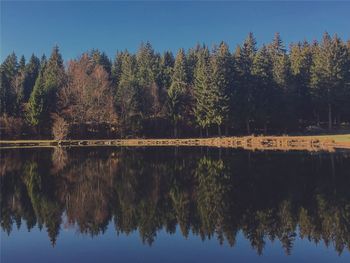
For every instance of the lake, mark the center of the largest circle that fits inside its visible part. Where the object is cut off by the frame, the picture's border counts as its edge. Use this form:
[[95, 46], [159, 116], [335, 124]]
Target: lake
[[174, 204]]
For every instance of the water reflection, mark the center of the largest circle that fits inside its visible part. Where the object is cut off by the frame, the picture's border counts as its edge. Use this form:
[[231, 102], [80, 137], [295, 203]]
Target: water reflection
[[211, 193]]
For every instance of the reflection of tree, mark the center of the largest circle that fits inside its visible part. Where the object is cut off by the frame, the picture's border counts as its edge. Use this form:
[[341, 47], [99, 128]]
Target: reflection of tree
[[59, 159], [42, 194], [211, 195], [266, 196]]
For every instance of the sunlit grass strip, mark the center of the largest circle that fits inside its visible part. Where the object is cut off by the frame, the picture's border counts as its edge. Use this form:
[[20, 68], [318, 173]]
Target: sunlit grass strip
[[309, 143]]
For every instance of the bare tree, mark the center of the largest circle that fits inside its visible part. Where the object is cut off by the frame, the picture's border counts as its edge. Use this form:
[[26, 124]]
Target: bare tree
[[87, 98]]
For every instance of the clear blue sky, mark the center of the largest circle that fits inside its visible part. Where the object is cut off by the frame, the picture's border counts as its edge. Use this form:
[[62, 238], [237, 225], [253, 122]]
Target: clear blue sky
[[28, 27]]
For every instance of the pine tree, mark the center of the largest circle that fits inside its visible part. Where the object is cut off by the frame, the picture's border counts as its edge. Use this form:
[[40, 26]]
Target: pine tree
[[264, 88], [203, 91], [19, 83], [281, 76], [222, 66], [147, 72], [43, 99], [167, 63], [36, 105], [328, 74], [100, 58], [192, 59], [178, 91], [164, 78], [243, 102], [129, 96], [32, 72], [301, 61], [8, 74], [116, 70], [346, 108]]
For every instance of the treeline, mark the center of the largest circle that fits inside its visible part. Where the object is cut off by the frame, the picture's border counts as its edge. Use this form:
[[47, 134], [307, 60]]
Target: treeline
[[198, 92], [211, 194]]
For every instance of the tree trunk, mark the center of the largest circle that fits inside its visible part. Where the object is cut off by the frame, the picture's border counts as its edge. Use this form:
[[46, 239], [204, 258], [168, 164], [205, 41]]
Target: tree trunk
[[200, 132], [175, 130], [329, 116], [207, 131], [219, 130], [248, 126], [226, 130], [265, 128]]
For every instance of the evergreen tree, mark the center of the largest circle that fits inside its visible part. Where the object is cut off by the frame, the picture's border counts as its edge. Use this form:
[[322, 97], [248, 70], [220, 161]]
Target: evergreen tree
[[129, 97], [32, 72], [192, 59], [164, 78], [264, 89], [116, 70], [328, 74], [242, 101], [100, 58], [203, 91], [281, 76], [222, 85], [19, 85], [178, 91], [346, 108], [36, 105], [147, 71], [8, 74], [43, 99], [167, 63], [301, 61]]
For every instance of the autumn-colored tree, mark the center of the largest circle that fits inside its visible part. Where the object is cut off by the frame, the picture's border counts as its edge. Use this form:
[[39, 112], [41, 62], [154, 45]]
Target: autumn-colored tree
[[87, 98]]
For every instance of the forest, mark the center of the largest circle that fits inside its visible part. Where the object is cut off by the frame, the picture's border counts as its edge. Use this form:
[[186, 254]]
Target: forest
[[254, 89]]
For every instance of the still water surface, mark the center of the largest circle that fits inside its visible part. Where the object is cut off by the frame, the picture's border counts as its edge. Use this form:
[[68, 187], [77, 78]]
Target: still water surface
[[174, 205]]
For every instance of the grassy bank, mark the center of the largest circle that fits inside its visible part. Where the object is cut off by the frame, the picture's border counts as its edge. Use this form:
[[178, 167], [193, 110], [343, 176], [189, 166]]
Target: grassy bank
[[310, 143]]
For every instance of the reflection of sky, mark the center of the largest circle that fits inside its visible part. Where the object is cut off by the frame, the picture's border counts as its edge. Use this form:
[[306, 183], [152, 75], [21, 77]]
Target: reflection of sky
[[34, 246]]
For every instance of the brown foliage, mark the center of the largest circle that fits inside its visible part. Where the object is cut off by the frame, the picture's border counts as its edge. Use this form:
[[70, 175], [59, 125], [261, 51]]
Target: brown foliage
[[88, 97], [10, 127], [60, 128], [59, 159]]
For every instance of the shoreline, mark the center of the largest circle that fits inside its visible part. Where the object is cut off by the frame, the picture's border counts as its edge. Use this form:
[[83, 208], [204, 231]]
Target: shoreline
[[285, 143]]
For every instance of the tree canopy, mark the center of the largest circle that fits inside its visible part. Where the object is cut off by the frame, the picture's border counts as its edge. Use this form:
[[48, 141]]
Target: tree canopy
[[272, 88]]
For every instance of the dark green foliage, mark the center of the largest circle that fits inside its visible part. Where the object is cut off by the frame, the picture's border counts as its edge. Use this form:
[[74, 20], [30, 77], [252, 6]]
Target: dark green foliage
[[222, 65], [32, 72], [129, 96], [43, 99], [252, 90], [19, 83], [37, 106], [329, 73], [146, 76], [100, 58], [265, 90], [8, 73], [243, 95], [116, 70], [178, 94], [204, 96], [164, 78], [281, 77], [300, 95]]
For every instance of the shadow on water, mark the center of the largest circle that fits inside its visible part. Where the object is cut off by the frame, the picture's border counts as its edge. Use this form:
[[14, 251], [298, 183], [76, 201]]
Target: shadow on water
[[211, 193]]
